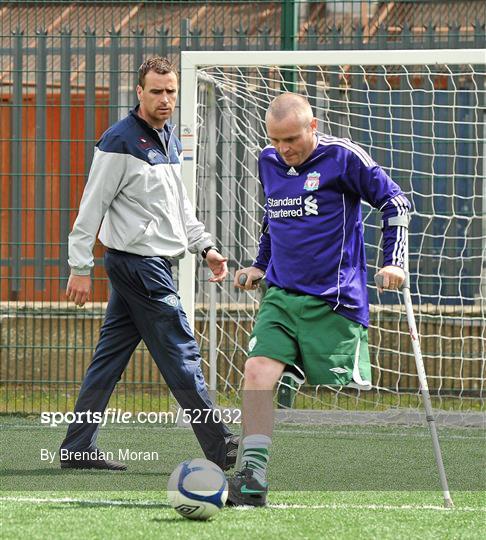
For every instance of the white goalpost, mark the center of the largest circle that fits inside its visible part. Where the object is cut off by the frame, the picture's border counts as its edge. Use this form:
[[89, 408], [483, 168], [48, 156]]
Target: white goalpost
[[420, 114]]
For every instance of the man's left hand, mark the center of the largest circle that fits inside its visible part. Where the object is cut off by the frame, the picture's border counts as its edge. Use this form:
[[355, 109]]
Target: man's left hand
[[392, 276], [217, 265]]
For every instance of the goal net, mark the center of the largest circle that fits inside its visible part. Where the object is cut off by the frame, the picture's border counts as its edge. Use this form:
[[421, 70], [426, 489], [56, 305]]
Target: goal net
[[420, 115]]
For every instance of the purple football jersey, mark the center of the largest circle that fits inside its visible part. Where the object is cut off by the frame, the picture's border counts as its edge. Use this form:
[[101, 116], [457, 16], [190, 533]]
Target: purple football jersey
[[312, 237]]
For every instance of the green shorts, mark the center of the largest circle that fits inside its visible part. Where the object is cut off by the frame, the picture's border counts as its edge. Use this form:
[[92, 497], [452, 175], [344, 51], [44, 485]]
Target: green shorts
[[303, 332]]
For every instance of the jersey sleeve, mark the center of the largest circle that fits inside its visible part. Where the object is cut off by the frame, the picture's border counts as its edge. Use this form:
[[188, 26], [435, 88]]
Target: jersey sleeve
[[262, 259], [368, 180], [197, 237], [264, 247], [104, 182]]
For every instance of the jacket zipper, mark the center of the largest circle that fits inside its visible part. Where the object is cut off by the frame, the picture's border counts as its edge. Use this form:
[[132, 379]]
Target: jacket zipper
[[165, 146]]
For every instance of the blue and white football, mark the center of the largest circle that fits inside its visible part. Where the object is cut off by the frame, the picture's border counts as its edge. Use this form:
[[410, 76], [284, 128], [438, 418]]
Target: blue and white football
[[197, 489]]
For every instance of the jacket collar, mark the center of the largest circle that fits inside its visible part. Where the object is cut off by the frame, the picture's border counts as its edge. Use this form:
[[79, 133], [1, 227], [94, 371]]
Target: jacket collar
[[168, 127]]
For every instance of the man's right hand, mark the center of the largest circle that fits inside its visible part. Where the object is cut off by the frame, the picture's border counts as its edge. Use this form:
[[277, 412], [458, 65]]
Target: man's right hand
[[78, 289], [252, 274]]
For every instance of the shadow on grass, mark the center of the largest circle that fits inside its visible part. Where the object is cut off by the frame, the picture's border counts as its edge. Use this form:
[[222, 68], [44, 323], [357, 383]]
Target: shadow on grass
[[179, 519], [65, 472]]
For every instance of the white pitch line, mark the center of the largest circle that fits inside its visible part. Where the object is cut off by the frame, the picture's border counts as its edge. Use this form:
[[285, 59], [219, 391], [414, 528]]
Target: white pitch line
[[341, 433], [346, 506], [328, 506], [67, 500], [309, 432]]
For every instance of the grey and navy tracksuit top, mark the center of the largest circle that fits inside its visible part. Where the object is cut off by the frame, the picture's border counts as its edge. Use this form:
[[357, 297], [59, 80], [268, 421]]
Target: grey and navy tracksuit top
[[135, 192], [312, 241]]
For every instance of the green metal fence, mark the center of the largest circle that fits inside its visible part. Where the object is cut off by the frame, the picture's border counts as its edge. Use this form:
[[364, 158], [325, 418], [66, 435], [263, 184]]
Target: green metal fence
[[67, 71]]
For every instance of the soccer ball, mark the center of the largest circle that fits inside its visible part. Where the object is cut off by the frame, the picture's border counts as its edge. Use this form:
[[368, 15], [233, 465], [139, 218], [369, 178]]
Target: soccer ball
[[197, 489]]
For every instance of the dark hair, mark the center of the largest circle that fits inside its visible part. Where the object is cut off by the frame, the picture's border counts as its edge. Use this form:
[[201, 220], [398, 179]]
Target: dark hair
[[158, 64]]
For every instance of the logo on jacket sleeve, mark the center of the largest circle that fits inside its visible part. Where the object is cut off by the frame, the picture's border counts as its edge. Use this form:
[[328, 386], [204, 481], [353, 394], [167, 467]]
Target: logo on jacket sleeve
[[171, 300], [144, 144], [312, 182], [155, 156]]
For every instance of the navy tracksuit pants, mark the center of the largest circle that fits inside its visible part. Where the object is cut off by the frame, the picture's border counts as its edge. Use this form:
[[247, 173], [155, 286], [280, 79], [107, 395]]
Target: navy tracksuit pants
[[144, 305]]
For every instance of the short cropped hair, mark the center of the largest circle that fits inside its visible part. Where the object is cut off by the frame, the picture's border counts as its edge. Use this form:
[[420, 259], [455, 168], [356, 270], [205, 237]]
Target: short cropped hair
[[289, 103], [159, 64]]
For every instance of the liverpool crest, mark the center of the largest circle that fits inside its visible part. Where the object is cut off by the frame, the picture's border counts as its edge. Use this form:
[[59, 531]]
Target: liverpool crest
[[312, 182]]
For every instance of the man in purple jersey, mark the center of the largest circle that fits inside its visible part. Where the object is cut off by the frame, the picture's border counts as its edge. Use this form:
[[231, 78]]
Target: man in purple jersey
[[312, 323]]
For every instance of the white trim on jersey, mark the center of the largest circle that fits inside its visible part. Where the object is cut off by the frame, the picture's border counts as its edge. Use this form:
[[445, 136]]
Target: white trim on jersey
[[342, 255], [400, 202], [365, 158], [398, 253]]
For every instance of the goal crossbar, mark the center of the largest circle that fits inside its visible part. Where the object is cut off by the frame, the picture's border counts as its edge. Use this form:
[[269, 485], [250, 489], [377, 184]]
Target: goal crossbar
[[194, 59]]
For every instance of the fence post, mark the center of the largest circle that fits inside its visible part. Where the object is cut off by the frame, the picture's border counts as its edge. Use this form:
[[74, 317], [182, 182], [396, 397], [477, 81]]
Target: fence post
[[137, 56], [114, 75], [406, 36], [288, 25], [65, 161], [453, 35], [40, 158], [430, 35], [163, 49], [288, 40], [381, 38], [196, 39], [185, 34], [479, 30], [218, 34], [357, 41], [126, 98], [335, 38], [311, 79], [89, 98], [16, 166]]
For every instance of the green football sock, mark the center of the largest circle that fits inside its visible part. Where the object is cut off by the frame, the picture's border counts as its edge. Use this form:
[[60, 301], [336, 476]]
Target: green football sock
[[255, 455]]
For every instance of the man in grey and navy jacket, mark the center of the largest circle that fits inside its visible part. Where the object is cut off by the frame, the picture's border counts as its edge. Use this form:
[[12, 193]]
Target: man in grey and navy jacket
[[135, 192]]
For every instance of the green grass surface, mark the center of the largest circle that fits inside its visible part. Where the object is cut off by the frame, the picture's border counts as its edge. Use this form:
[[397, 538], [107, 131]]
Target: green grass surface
[[326, 482], [25, 399], [317, 515]]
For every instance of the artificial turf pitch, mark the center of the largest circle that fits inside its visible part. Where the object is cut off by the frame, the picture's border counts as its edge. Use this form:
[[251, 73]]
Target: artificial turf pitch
[[326, 482]]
